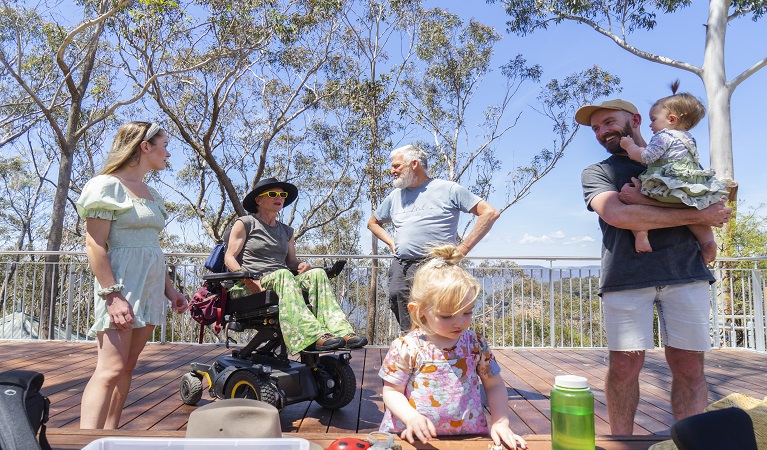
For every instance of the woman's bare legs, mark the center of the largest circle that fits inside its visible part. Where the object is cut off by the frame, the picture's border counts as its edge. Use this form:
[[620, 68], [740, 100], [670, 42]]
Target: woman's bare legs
[[105, 394]]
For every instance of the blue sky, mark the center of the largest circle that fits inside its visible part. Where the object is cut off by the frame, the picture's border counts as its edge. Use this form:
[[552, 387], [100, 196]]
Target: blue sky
[[553, 220]]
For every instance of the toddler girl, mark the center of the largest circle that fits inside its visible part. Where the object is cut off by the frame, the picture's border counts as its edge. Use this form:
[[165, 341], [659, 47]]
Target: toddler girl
[[432, 374], [674, 174]]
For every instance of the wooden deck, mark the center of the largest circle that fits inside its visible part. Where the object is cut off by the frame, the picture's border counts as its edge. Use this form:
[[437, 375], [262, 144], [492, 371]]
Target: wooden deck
[[154, 407]]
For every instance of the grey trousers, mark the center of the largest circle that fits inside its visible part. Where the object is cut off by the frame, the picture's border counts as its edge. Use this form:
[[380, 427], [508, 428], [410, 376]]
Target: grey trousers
[[401, 273]]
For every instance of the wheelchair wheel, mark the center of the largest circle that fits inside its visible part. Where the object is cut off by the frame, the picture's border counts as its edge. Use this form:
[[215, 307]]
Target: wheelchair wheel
[[343, 384], [246, 384], [191, 389]]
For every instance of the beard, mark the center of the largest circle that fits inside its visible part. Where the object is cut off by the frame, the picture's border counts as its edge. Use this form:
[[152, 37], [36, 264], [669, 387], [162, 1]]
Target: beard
[[614, 145], [405, 179]]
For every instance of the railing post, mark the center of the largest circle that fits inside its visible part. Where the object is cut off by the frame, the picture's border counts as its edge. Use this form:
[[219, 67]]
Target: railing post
[[163, 326], [759, 312], [714, 291], [70, 298], [552, 325]]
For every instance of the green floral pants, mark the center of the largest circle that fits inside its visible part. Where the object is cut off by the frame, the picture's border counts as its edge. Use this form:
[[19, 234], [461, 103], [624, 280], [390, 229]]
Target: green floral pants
[[300, 328]]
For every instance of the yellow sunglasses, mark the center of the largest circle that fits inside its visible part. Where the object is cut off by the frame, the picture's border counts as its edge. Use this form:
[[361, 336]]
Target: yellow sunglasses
[[273, 194]]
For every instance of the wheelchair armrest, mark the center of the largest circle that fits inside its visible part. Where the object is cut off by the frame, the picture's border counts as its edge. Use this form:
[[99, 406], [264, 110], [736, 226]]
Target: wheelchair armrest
[[336, 269], [331, 272], [229, 276]]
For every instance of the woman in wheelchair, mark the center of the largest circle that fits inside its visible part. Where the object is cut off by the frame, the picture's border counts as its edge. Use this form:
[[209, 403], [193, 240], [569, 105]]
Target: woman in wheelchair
[[260, 243]]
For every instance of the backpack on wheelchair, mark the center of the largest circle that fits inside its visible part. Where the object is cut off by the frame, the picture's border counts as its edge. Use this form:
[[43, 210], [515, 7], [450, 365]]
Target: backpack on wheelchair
[[261, 370]]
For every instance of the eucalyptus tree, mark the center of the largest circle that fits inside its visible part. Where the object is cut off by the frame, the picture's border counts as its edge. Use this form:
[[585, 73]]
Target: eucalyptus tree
[[250, 113], [76, 90], [24, 195], [453, 64], [381, 38], [454, 59], [617, 20], [558, 101]]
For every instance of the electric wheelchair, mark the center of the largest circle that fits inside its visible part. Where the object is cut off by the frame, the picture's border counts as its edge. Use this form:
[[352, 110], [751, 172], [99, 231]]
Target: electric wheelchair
[[261, 370]]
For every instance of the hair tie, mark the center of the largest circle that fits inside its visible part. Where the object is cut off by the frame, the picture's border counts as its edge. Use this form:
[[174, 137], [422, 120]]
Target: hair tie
[[153, 129]]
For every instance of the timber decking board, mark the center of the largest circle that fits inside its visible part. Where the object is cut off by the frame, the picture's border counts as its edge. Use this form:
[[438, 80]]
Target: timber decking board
[[371, 410], [154, 404], [653, 412], [535, 420]]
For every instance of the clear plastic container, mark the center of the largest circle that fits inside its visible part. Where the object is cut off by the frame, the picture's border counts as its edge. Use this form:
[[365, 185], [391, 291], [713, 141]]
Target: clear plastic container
[[572, 414], [197, 444]]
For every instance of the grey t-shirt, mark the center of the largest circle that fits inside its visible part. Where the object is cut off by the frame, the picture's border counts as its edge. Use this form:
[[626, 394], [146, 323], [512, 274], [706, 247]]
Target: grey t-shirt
[[266, 247], [675, 258], [424, 215]]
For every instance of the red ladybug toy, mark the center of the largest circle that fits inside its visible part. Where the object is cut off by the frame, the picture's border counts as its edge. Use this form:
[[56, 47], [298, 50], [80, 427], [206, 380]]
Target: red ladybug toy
[[348, 444]]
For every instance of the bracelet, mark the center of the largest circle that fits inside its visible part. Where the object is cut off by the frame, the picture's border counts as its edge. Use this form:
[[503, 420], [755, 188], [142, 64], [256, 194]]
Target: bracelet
[[111, 289]]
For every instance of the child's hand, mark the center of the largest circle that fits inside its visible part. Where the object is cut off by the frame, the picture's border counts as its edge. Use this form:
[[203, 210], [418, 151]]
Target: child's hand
[[626, 142], [418, 426], [500, 431]]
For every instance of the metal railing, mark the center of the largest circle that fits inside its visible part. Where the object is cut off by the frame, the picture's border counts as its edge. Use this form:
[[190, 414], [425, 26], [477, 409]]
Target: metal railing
[[524, 302]]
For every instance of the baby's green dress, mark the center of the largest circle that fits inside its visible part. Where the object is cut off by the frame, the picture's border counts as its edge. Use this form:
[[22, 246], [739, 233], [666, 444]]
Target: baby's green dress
[[133, 247], [674, 173]]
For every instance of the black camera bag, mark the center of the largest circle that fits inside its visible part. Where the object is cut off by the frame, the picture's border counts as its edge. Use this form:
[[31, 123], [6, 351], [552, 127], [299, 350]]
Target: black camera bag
[[23, 411]]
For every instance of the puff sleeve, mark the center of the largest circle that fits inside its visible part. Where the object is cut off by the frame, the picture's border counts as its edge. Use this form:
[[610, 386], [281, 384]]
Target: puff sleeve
[[103, 197]]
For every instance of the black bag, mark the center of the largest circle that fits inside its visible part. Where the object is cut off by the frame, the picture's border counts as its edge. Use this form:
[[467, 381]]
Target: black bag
[[215, 261], [721, 428], [23, 411]]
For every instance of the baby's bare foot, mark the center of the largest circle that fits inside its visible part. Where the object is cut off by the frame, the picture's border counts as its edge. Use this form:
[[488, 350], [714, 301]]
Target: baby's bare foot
[[708, 250], [642, 242]]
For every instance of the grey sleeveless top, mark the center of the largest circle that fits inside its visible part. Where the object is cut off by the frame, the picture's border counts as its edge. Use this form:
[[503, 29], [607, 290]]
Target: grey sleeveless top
[[266, 247]]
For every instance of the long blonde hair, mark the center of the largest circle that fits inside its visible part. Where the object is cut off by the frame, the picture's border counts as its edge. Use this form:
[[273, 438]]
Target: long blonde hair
[[126, 148], [441, 285]]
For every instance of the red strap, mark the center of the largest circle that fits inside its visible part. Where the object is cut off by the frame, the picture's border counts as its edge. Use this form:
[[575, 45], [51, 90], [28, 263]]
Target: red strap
[[220, 310]]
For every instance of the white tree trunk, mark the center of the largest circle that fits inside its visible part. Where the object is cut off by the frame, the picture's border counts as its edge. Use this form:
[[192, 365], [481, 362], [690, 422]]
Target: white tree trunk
[[718, 92]]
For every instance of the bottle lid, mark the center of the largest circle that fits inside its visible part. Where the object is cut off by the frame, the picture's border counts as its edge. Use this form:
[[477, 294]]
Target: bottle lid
[[571, 381]]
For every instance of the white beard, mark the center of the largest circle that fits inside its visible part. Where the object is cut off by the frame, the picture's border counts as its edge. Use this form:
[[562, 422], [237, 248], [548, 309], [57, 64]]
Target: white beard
[[405, 179]]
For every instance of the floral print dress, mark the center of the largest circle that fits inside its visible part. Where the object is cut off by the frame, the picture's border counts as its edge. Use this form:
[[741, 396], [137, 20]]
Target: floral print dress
[[441, 384]]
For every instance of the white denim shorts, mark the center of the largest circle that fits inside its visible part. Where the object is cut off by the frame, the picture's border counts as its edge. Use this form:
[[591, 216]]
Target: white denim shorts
[[683, 314]]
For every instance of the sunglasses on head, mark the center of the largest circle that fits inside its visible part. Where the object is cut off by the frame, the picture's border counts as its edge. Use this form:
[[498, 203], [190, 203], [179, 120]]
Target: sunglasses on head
[[273, 194]]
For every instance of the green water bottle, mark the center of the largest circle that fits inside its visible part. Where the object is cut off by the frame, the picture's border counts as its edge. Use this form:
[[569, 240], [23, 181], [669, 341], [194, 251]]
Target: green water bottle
[[572, 414]]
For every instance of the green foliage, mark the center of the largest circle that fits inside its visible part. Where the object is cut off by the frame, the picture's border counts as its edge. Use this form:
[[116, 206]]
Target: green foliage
[[518, 303], [527, 16], [621, 17], [744, 237]]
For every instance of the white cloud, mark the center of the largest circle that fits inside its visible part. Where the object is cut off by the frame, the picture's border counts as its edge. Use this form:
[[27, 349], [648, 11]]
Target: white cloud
[[579, 240], [528, 239], [556, 238]]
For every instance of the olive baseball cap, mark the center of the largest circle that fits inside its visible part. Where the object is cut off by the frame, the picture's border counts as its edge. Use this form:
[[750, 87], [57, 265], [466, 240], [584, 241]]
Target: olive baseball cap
[[583, 115]]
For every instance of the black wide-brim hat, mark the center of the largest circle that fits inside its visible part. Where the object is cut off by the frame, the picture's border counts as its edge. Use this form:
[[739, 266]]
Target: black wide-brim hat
[[264, 185]]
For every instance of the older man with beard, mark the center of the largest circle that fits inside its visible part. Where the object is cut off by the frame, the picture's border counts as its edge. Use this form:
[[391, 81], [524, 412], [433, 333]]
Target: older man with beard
[[424, 212], [672, 278]]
